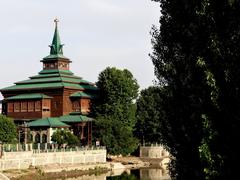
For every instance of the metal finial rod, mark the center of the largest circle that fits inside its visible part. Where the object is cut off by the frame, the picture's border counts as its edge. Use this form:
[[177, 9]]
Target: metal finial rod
[[56, 21]]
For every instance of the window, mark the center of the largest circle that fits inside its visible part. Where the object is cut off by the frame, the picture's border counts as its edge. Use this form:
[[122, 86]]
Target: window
[[76, 106], [85, 105], [30, 106], [30, 138], [44, 138], [10, 107], [37, 138], [38, 106], [23, 106], [16, 106]]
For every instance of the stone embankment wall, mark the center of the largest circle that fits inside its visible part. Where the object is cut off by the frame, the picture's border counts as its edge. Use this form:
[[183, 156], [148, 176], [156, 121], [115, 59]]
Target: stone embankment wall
[[23, 160], [153, 151]]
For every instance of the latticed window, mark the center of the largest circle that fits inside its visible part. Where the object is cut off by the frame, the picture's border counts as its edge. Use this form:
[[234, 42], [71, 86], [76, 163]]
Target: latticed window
[[23, 106], [10, 107], [37, 106], [30, 106], [16, 106]]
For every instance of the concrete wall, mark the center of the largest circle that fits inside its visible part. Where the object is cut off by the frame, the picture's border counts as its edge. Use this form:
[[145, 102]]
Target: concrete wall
[[153, 152], [22, 160]]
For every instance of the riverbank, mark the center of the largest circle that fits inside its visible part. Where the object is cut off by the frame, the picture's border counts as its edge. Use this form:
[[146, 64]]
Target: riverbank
[[136, 162], [58, 171]]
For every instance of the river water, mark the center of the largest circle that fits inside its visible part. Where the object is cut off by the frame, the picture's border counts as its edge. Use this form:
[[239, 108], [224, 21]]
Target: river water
[[133, 174]]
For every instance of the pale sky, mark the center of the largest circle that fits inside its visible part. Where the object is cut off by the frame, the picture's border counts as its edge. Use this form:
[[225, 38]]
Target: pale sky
[[96, 34]]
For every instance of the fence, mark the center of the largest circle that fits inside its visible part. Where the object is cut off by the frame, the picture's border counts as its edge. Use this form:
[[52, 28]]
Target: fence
[[46, 147]]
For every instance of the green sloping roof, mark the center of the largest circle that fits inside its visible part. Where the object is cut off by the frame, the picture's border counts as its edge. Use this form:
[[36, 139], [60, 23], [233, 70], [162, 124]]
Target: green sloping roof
[[74, 118], [47, 122], [49, 71], [54, 75], [34, 86], [52, 79], [82, 95], [53, 57], [29, 96], [90, 87], [49, 85]]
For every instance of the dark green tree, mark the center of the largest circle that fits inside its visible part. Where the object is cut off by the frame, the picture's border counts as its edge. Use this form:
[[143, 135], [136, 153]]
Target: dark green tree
[[178, 48], [65, 137], [148, 126], [8, 132], [115, 110], [196, 57]]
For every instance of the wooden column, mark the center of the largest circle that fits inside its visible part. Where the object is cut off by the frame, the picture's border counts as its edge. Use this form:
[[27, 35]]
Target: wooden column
[[89, 133]]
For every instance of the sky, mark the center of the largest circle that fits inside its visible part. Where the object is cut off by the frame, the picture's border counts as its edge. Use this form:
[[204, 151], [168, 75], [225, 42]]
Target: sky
[[96, 34]]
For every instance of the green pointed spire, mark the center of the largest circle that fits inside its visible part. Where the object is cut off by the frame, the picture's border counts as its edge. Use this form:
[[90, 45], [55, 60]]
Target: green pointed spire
[[56, 50], [56, 46]]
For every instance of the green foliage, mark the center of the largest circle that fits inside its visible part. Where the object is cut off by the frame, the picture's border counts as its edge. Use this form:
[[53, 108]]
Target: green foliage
[[148, 126], [196, 57], [65, 137], [8, 132], [115, 110]]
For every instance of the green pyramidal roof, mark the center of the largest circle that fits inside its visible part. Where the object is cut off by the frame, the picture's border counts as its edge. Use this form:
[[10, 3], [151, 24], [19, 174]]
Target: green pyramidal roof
[[81, 94], [74, 118], [47, 122], [56, 48], [52, 78], [29, 96]]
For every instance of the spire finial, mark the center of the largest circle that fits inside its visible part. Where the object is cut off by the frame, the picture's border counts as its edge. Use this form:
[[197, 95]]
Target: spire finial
[[56, 46], [56, 21]]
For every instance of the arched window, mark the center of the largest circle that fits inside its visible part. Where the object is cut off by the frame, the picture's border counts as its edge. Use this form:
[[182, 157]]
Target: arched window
[[30, 138], [37, 138], [44, 138]]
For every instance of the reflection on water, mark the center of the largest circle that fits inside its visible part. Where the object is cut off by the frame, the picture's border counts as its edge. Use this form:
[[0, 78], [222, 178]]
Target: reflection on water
[[142, 174], [136, 174]]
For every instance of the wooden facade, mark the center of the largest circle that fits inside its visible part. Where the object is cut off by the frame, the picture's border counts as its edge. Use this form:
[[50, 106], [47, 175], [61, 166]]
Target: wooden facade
[[54, 92]]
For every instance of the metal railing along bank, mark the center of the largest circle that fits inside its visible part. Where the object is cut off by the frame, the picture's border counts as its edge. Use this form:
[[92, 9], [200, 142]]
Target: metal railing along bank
[[46, 147]]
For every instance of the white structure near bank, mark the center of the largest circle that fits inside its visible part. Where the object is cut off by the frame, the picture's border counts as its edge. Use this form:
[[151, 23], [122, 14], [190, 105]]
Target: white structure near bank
[[26, 159], [153, 151]]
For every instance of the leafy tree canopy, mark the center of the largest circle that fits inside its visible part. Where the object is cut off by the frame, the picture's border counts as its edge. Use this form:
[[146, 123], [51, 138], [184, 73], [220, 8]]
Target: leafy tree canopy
[[115, 110], [65, 137], [8, 132], [196, 57], [148, 126]]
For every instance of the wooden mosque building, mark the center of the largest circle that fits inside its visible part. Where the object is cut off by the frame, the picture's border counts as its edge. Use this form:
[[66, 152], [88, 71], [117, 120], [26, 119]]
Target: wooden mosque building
[[53, 99]]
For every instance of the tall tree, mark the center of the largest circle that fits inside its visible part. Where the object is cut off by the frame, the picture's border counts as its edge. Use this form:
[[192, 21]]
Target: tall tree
[[196, 56], [115, 110], [176, 49], [148, 126], [8, 132]]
